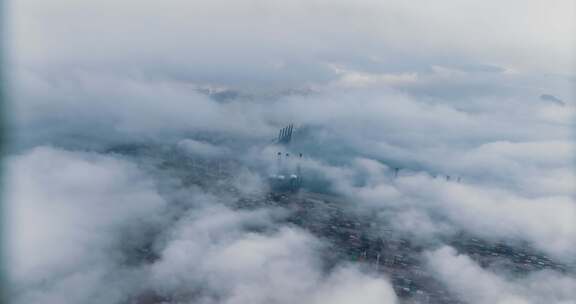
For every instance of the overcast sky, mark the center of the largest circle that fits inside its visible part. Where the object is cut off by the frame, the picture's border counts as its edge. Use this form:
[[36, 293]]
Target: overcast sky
[[483, 90]]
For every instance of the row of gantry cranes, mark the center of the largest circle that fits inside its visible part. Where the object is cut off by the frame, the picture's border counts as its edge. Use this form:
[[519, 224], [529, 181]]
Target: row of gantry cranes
[[288, 174]]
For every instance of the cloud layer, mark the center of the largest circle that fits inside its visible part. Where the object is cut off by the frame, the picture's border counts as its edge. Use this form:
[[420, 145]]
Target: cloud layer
[[82, 226], [478, 285], [427, 117]]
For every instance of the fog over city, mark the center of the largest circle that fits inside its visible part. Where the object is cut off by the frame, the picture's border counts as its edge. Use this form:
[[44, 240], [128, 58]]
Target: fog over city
[[434, 142]]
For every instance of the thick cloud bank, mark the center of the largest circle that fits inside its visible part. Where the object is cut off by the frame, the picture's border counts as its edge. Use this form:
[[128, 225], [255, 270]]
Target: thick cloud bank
[[211, 254], [76, 218], [478, 285], [548, 221], [67, 213]]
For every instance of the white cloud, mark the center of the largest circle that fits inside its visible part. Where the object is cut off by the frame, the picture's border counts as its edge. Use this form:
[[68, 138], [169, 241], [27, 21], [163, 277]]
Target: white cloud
[[547, 222], [72, 212], [242, 42], [432, 88], [67, 211], [211, 258], [468, 280]]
